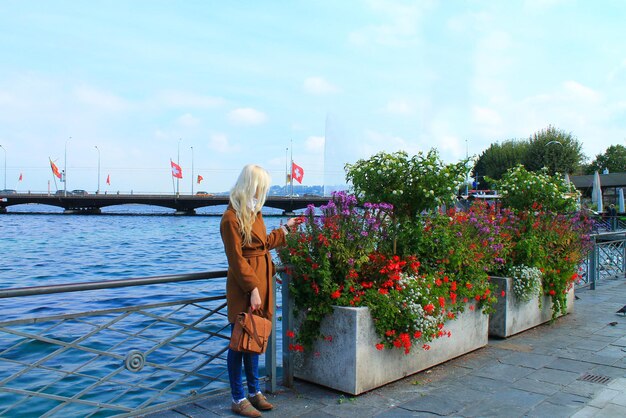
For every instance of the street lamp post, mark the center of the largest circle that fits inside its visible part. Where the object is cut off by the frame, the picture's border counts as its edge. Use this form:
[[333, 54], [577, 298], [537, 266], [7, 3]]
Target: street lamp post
[[554, 160], [192, 171], [5, 166], [178, 162], [97, 149], [65, 168]]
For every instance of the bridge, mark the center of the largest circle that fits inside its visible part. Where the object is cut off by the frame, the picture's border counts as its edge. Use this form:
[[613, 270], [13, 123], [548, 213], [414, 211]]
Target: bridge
[[182, 204]]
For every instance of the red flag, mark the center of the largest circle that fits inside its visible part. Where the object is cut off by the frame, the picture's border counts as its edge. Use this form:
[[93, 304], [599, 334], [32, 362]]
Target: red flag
[[55, 169], [109, 179], [176, 170], [200, 178], [297, 172], [20, 179]]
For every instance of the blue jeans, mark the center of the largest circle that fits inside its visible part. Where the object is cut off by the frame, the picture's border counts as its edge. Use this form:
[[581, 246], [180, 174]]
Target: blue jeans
[[251, 366]]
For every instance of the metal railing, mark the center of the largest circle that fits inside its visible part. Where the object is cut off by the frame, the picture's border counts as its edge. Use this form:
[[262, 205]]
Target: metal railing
[[120, 361], [607, 259]]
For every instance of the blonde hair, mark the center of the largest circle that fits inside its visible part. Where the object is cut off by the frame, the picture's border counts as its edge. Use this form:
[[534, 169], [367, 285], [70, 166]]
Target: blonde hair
[[253, 182]]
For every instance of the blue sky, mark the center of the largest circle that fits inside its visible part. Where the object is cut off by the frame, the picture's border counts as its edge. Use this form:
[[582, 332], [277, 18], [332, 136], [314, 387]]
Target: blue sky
[[241, 81]]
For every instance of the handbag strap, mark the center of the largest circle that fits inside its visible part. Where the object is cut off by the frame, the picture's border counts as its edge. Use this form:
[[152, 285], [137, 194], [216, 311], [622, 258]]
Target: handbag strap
[[255, 334]]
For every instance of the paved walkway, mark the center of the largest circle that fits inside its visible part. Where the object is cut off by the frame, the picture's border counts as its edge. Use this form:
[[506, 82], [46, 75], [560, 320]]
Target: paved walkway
[[538, 373]]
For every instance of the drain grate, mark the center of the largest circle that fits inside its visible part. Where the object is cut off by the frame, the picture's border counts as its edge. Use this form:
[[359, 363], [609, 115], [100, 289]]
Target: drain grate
[[595, 378]]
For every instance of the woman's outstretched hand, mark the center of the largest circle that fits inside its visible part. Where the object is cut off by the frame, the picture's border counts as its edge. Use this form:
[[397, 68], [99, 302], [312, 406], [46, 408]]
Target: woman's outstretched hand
[[293, 223]]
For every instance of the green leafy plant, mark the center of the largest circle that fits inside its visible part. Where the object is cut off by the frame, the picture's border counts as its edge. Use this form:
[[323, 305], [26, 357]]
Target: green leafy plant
[[521, 189], [411, 184]]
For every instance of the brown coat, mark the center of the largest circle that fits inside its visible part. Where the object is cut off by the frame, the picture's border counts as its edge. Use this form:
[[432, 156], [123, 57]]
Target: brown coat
[[250, 266]]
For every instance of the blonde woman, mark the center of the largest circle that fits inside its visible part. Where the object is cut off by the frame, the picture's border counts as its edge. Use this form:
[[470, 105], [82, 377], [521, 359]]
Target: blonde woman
[[250, 272]]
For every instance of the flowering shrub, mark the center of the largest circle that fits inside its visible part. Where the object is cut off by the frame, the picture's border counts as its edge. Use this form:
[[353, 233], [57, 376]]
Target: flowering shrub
[[343, 257], [468, 244], [520, 189], [412, 185], [556, 244], [334, 260], [326, 254], [526, 282], [408, 307]]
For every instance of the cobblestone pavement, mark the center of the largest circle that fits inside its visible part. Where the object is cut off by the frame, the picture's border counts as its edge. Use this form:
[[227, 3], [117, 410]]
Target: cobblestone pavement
[[575, 367]]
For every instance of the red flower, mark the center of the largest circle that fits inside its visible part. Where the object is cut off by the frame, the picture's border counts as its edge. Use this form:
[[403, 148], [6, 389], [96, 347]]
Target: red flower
[[452, 297], [379, 346], [336, 294], [417, 334], [468, 285], [290, 334], [503, 294], [429, 308], [552, 292], [390, 332], [442, 301]]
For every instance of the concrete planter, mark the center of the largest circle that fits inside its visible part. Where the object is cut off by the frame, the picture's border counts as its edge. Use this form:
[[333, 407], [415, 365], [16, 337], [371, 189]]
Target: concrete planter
[[513, 316], [351, 363]]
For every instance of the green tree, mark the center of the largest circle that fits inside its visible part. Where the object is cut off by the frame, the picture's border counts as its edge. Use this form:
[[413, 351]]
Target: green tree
[[558, 151], [498, 158], [614, 158]]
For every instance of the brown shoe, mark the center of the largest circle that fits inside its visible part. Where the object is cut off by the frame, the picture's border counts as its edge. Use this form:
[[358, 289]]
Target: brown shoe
[[260, 402], [245, 408]]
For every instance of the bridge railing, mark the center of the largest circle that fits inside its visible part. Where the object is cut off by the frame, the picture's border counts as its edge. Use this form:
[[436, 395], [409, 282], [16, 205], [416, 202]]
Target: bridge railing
[[119, 361]]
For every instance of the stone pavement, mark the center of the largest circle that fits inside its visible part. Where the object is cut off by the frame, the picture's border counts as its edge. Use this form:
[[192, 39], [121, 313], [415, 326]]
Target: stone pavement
[[575, 367]]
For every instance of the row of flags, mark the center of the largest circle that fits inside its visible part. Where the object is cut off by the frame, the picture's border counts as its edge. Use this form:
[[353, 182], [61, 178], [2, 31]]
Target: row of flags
[[177, 172], [297, 172], [57, 173]]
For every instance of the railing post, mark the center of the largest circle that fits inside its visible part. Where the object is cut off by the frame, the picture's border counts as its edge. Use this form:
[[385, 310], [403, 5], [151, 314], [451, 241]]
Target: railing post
[[287, 325], [623, 244], [270, 353], [593, 265]]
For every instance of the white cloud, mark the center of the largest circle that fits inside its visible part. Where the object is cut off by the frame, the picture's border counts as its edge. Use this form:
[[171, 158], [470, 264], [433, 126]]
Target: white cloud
[[100, 99], [541, 5], [315, 144], [377, 141], [486, 116], [219, 142], [618, 72], [399, 107], [400, 27], [247, 116], [581, 92], [174, 98], [187, 120], [319, 86]]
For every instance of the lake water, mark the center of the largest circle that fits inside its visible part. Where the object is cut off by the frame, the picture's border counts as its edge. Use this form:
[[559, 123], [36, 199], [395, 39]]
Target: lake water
[[52, 248]]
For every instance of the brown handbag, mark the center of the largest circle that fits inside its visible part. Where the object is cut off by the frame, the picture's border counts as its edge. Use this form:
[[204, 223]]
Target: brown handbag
[[250, 333]]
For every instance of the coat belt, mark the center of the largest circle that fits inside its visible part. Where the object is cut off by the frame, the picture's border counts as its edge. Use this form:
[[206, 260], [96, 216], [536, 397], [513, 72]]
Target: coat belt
[[254, 253]]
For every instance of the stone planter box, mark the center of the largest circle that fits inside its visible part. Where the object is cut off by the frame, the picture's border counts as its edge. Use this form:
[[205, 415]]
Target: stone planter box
[[351, 363], [513, 316]]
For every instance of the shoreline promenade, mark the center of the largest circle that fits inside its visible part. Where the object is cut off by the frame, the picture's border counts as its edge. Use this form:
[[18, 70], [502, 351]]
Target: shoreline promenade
[[575, 367]]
